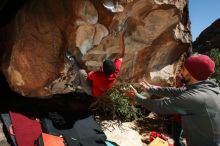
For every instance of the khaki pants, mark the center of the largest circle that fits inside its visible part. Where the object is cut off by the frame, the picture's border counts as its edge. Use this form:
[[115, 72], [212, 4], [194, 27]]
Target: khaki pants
[[84, 82]]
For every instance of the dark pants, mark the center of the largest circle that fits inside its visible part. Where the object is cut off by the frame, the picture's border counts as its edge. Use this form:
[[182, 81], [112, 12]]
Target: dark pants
[[177, 132]]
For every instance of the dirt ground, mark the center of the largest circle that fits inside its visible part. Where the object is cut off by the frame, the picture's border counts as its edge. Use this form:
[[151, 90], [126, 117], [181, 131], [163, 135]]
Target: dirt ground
[[136, 132]]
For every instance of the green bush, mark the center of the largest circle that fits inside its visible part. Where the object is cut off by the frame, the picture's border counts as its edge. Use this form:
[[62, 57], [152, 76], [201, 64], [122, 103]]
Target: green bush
[[215, 55], [116, 106]]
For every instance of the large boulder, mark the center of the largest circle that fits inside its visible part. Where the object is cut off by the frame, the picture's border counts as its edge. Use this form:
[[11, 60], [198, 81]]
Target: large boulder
[[35, 42]]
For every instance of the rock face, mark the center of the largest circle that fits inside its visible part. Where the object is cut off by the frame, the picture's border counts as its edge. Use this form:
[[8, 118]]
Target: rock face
[[35, 43], [208, 39]]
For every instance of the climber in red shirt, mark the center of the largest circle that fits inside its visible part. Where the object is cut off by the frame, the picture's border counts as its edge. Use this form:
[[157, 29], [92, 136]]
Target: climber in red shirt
[[97, 83]]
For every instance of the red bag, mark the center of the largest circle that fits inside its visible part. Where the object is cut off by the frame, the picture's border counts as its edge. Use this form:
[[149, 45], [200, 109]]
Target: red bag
[[154, 134]]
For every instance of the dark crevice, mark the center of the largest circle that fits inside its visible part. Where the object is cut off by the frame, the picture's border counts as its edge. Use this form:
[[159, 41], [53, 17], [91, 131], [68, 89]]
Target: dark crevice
[[72, 102], [8, 10]]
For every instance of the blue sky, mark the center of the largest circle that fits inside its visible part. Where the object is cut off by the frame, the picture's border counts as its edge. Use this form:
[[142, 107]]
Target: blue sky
[[202, 14]]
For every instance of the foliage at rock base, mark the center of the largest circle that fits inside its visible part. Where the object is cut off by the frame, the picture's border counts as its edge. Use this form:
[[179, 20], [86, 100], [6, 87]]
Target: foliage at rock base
[[215, 55], [116, 106]]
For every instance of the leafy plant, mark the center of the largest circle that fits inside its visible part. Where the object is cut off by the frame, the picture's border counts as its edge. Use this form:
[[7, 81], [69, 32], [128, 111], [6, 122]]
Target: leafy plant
[[215, 55], [116, 106]]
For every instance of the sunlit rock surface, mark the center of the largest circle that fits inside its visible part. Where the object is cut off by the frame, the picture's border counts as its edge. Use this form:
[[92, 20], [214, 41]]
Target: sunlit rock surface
[[35, 42]]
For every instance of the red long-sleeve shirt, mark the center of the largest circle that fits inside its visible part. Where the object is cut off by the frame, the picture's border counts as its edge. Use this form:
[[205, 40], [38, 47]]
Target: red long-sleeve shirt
[[100, 82]]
